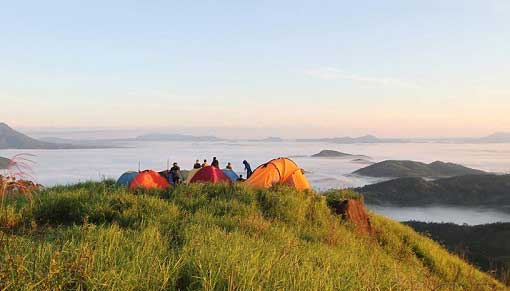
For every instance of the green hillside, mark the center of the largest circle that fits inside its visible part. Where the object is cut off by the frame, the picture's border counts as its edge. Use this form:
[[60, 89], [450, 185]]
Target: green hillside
[[487, 245], [473, 190], [97, 236], [399, 169]]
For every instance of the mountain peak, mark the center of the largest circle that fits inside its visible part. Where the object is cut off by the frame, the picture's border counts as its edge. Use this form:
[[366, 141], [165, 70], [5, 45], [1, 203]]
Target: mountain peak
[[12, 139]]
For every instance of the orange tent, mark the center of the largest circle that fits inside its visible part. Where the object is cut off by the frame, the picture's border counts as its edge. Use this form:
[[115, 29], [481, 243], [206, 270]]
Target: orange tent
[[149, 179], [278, 171]]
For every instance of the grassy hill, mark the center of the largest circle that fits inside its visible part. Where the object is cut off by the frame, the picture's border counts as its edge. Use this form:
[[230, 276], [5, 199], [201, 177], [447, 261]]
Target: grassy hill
[[98, 236], [399, 169], [471, 190], [487, 246]]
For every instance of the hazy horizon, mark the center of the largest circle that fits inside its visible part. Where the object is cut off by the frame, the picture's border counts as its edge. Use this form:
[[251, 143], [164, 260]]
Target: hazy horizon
[[229, 133]]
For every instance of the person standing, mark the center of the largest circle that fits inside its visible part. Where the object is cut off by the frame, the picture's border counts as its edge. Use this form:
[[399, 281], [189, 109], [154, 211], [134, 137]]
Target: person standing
[[175, 171], [215, 163], [247, 167]]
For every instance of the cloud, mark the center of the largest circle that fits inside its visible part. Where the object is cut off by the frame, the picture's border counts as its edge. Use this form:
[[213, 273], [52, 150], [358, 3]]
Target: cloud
[[337, 74]]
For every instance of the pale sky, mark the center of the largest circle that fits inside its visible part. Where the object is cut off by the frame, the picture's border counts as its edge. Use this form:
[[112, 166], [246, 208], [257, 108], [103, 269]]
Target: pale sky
[[298, 68]]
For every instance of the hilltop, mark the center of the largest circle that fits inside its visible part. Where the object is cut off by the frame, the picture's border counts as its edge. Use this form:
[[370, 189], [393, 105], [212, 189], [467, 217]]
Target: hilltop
[[487, 245], [472, 190], [214, 237], [399, 169], [12, 139], [335, 154]]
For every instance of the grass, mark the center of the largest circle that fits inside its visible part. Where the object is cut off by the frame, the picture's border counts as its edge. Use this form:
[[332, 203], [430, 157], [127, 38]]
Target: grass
[[98, 236]]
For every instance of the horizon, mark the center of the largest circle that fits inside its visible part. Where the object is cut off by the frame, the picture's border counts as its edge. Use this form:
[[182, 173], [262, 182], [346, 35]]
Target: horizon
[[393, 69], [224, 133]]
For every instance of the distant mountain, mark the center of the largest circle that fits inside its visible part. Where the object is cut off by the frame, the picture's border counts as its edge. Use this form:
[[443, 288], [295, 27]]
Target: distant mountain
[[269, 139], [345, 140], [487, 246], [471, 190], [176, 137], [12, 139], [335, 154], [4, 163], [83, 143], [497, 137], [399, 169]]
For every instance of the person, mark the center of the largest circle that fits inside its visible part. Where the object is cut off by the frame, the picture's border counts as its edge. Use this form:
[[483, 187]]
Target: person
[[215, 163], [205, 164], [247, 167], [175, 171], [229, 166], [240, 179], [197, 165]]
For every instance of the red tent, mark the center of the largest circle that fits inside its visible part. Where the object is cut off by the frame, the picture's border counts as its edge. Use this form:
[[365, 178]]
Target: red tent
[[210, 174], [149, 179]]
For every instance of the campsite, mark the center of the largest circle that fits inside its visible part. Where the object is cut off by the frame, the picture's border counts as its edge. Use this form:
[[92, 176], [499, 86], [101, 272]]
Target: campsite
[[277, 171], [255, 145]]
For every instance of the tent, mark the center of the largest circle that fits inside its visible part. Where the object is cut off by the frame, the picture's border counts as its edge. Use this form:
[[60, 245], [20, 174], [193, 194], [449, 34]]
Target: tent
[[166, 175], [210, 175], [149, 179], [191, 173], [231, 174], [278, 171], [126, 178]]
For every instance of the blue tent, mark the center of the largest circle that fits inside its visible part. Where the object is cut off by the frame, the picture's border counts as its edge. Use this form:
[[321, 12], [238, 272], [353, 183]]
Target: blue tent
[[231, 174], [126, 178], [166, 174]]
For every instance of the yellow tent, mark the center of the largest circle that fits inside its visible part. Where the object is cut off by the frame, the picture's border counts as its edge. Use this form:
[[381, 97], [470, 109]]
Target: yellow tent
[[278, 171]]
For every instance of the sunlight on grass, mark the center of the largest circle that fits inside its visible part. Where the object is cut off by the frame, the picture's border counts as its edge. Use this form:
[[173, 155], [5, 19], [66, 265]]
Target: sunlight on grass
[[97, 236]]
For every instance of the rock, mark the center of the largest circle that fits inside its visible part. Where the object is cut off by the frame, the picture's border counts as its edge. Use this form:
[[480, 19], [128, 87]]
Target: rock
[[354, 211]]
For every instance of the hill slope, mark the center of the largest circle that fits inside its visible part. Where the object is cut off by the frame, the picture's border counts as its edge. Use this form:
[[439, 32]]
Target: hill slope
[[487, 246], [399, 169], [472, 190], [11, 139], [213, 237]]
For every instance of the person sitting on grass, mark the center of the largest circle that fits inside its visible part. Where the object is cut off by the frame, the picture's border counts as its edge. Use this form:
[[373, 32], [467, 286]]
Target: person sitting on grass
[[197, 165], [229, 166], [205, 164]]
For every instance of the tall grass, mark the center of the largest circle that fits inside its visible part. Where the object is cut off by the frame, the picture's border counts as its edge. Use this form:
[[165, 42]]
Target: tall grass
[[98, 236]]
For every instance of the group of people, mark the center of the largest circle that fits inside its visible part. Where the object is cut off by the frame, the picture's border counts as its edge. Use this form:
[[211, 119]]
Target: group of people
[[175, 171]]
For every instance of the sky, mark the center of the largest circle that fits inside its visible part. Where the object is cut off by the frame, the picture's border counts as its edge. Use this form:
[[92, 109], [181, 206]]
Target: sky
[[292, 68]]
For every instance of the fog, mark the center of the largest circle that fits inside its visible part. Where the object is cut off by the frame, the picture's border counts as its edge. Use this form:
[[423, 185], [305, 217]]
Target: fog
[[71, 166], [452, 214]]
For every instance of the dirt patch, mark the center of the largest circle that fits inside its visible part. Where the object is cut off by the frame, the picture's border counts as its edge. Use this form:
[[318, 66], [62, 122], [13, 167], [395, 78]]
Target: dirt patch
[[354, 211]]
